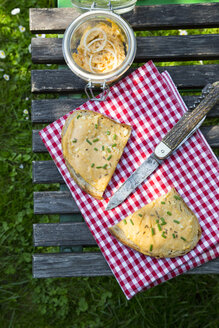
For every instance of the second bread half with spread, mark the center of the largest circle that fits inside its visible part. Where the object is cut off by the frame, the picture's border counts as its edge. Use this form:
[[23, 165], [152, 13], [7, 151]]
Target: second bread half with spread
[[165, 227], [92, 145]]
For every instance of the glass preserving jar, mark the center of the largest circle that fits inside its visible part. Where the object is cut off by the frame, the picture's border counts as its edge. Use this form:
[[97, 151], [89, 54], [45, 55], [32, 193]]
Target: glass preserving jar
[[99, 46]]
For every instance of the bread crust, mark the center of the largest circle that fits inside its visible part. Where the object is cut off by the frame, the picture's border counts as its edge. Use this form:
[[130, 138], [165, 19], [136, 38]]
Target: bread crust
[[125, 235], [84, 185]]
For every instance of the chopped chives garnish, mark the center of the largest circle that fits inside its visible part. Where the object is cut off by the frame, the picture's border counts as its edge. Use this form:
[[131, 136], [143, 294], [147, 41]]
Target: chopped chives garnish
[[183, 238], [157, 221], [125, 221], [163, 203], [169, 213], [78, 116], [92, 165], [108, 133], [95, 140], [74, 141], [98, 167], [114, 145], [102, 147], [131, 222], [176, 197], [105, 166], [108, 158], [159, 227], [151, 248], [163, 235], [176, 221], [89, 141], [174, 236], [152, 231], [95, 149], [114, 137], [163, 221], [96, 126], [140, 215], [109, 151]]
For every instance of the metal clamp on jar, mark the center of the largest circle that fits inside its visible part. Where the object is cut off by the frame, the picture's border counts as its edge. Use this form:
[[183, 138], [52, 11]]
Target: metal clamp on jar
[[99, 46]]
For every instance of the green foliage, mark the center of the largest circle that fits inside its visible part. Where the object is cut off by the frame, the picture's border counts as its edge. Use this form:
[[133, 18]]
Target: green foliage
[[71, 302]]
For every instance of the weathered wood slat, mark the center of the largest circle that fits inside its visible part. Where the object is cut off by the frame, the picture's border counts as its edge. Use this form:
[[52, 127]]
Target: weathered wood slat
[[49, 110], [47, 172], [64, 81], [211, 133], [54, 202], [159, 48], [90, 264], [62, 234], [70, 265], [141, 18]]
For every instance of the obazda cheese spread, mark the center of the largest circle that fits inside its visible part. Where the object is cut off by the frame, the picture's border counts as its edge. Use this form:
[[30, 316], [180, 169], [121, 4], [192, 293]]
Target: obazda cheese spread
[[101, 49]]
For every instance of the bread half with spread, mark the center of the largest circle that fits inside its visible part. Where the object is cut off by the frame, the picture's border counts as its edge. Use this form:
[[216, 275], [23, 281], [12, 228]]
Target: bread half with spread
[[165, 227], [92, 145]]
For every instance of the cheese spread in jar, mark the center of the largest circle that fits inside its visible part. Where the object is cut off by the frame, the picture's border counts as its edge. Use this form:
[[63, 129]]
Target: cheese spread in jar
[[101, 49]]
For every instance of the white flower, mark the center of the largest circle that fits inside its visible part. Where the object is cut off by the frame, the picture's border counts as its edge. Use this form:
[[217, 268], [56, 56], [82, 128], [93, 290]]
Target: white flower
[[25, 111], [201, 62], [2, 54], [27, 118], [15, 11], [40, 35], [29, 48], [6, 77], [22, 28], [26, 98], [48, 64], [21, 166], [183, 32]]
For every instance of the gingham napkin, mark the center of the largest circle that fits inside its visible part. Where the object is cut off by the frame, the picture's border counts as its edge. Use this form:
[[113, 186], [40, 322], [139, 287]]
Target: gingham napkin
[[151, 104]]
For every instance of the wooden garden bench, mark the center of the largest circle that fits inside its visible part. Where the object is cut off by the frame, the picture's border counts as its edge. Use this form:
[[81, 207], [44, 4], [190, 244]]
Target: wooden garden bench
[[72, 234]]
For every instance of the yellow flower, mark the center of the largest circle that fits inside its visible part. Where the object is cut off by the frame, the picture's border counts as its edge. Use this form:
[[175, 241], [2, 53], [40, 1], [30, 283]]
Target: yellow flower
[[2, 54], [25, 111], [6, 77], [22, 28]]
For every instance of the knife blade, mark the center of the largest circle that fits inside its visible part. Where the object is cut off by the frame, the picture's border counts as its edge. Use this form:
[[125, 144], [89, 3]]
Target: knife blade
[[181, 131]]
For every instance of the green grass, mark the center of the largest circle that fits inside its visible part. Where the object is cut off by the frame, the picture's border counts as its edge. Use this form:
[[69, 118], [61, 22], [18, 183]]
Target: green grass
[[186, 301]]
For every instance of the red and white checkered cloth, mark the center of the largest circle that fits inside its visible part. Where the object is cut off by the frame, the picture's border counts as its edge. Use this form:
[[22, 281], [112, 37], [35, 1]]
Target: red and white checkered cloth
[[151, 104]]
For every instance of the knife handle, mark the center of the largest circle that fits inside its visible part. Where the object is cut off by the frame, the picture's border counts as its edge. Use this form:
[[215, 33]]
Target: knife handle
[[187, 124]]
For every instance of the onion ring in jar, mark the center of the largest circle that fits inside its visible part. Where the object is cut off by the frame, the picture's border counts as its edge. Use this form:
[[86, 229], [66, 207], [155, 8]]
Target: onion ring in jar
[[114, 63], [87, 35]]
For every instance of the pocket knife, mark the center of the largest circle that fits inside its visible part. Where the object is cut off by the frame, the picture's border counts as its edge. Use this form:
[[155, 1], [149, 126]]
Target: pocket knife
[[181, 131]]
